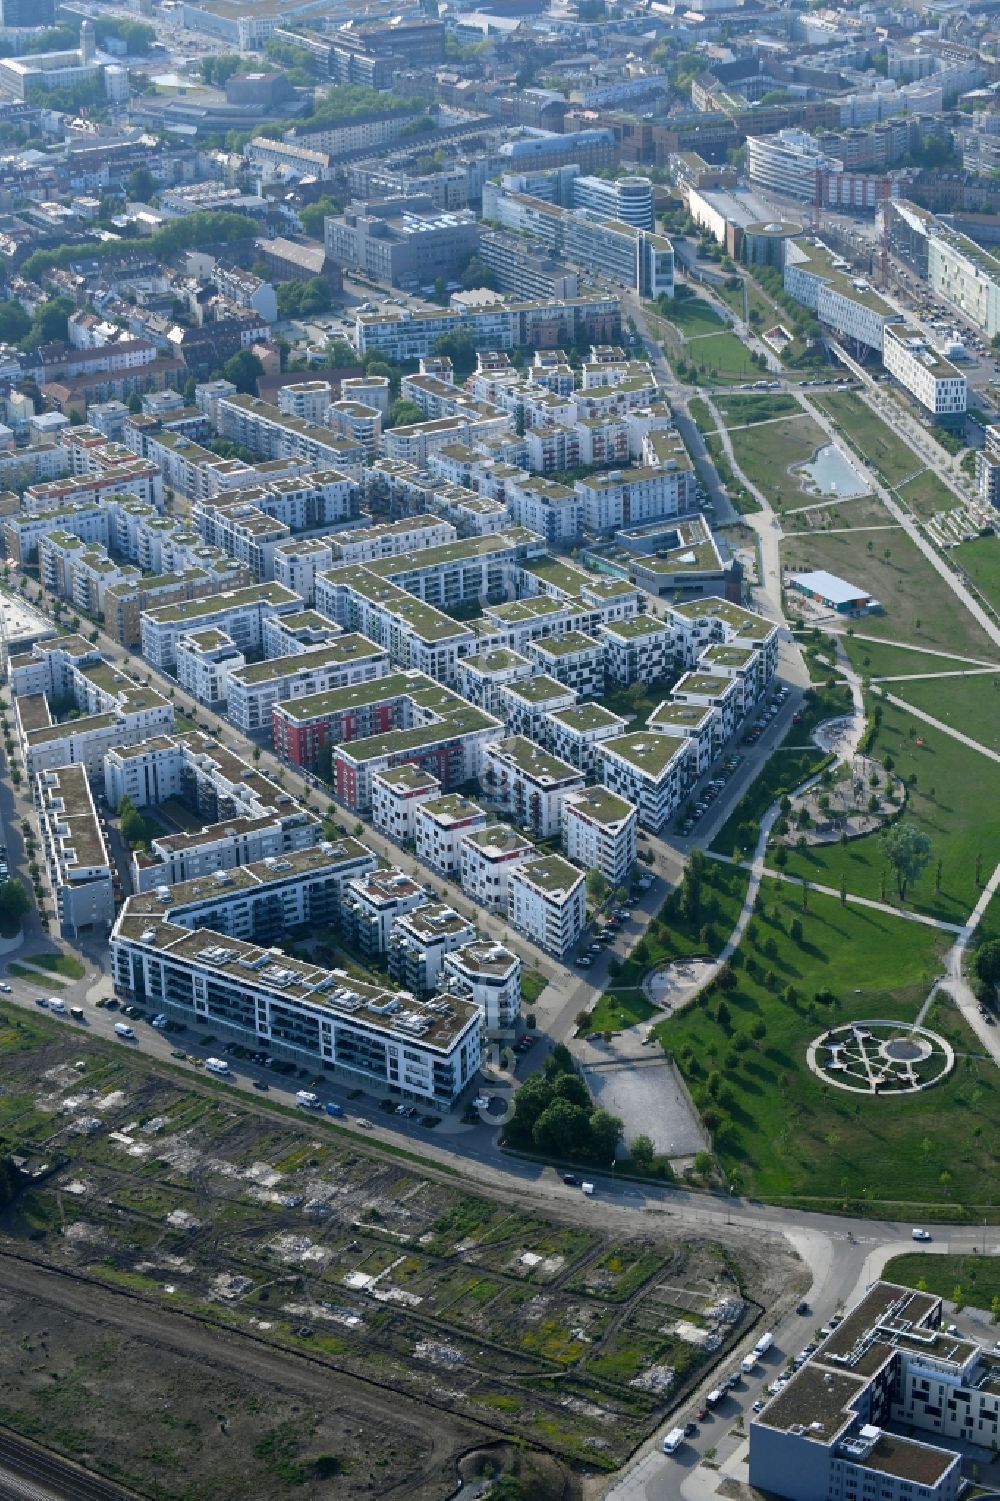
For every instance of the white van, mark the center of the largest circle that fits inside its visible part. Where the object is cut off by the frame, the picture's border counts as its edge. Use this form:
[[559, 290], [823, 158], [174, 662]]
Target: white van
[[216, 1066], [748, 1364], [673, 1440], [763, 1344], [121, 1030], [57, 1006]]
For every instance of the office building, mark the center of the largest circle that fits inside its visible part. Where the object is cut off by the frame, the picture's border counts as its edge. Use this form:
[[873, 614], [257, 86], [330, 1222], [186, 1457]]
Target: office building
[[931, 379]]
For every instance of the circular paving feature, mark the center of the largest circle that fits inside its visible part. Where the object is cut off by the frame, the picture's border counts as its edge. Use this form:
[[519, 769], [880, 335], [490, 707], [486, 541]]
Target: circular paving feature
[[880, 1057]]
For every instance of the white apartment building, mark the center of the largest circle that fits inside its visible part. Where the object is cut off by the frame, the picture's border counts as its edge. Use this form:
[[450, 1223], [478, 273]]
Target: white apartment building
[[818, 278], [599, 832], [489, 975], [418, 943], [542, 505], [269, 433], [637, 650], [285, 635], [696, 623], [204, 662], [417, 635], [486, 858], [524, 706], [530, 783], [547, 902], [573, 659], [74, 854], [369, 1036], [238, 612], [245, 840], [884, 1409], [934, 381], [397, 793], [390, 539], [711, 690], [481, 677], [700, 726], [650, 770], [307, 399], [574, 734], [297, 563], [628, 497], [440, 824], [373, 902], [255, 688]]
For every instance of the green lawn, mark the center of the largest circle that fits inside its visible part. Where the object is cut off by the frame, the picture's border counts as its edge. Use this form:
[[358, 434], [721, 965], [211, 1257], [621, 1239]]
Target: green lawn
[[977, 1276], [926, 494], [693, 316], [618, 1009], [638, 701], [956, 802], [738, 493], [874, 660], [918, 605], [59, 964], [765, 454], [869, 436], [789, 766], [701, 416], [981, 561], [740, 408], [21, 973], [971, 705], [721, 357], [785, 1134]]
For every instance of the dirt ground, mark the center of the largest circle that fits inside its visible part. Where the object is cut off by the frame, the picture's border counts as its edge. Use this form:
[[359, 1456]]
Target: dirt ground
[[384, 1316]]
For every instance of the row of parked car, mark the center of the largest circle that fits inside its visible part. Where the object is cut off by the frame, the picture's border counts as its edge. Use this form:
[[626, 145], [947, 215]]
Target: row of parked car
[[768, 713], [709, 793]]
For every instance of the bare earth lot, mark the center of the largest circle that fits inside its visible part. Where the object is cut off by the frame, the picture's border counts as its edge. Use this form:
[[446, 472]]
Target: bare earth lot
[[386, 1319]]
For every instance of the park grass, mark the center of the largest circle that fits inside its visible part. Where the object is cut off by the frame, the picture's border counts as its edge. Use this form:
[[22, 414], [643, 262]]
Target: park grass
[[785, 769], [981, 561], [722, 357], [869, 436], [906, 584], [765, 454], [784, 1134], [617, 1010], [59, 964], [701, 416], [971, 705], [955, 802], [740, 496], [872, 659], [925, 495], [857, 512], [694, 316], [978, 1277], [41, 977], [740, 408]]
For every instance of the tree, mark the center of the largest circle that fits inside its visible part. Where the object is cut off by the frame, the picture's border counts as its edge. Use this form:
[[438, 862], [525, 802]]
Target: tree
[[531, 1100], [340, 353], [243, 369], [141, 185], [14, 901], [476, 274], [605, 1134], [561, 1128], [312, 215], [987, 962], [190, 390], [135, 403], [642, 1153], [571, 1087], [597, 885], [403, 412], [908, 851]]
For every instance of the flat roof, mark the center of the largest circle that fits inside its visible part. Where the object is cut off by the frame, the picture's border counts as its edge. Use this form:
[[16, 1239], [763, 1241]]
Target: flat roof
[[540, 689], [451, 810], [837, 590], [339, 652], [602, 806], [550, 874], [568, 644], [582, 718], [538, 764], [216, 604], [647, 752]]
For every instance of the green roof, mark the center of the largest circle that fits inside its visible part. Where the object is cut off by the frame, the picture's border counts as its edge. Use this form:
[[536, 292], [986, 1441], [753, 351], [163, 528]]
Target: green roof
[[335, 653], [566, 644], [533, 761], [584, 717], [353, 696], [500, 660], [539, 689], [602, 806], [647, 752], [214, 604], [551, 873]]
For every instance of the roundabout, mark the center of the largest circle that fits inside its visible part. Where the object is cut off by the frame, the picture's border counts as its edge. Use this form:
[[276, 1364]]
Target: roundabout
[[880, 1058]]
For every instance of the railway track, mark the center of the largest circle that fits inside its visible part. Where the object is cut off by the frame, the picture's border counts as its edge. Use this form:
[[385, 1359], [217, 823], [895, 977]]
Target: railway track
[[29, 1473]]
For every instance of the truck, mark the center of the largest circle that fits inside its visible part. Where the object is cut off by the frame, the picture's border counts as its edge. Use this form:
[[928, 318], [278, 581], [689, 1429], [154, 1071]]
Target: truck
[[673, 1440], [748, 1364], [334, 1109], [763, 1345], [588, 1188], [307, 1099], [217, 1066]]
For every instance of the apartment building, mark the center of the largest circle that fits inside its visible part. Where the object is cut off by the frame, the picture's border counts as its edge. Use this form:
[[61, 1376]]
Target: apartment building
[[418, 943], [697, 623], [489, 975], [255, 688], [268, 432], [284, 635], [988, 467], [74, 853], [542, 505], [373, 1038], [372, 903], [262, 902], [629, 497], [416, 635], [711, 690], [390, 539], [547, 902], [932, 380], [529, 783], [297, 563], [238, 612], [573, 659], [599, 832], [440, 824], [204, 660], [637, 650], [481, 677], [881, 1408], [22, 533], [124, 602], [575, 733], [818, 278], [486, 858], [410, 334], [397, 793], [652, 771], [524, 706], [699, 725]]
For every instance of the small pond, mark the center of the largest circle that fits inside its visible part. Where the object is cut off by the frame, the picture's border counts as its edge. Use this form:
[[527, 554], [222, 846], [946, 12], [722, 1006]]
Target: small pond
[[830, 472]]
